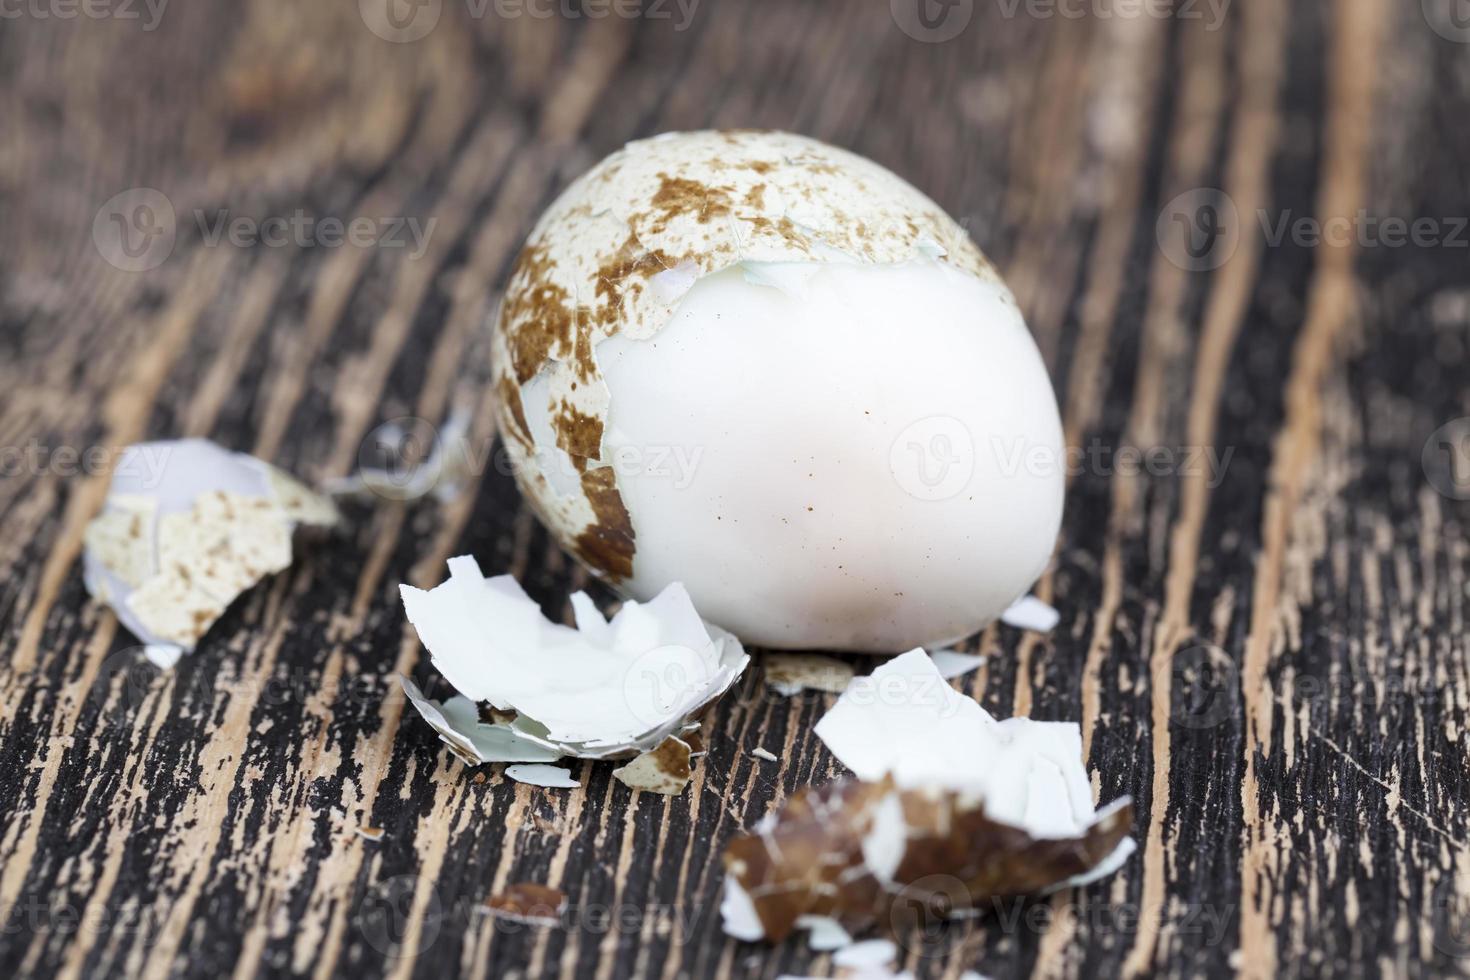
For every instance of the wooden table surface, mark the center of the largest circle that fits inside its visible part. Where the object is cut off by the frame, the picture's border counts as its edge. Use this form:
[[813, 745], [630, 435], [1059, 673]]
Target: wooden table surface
[[1263, 630]]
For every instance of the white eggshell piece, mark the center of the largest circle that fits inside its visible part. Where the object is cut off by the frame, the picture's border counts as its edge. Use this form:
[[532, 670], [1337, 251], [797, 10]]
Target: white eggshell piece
[[1107, 865], [904, 719], [887, 839], [1030, 613], [448, 466], [824, 933], [789, 674], [458, 723], [952, 663], [870, 954], [188, 526], [538, 774], [738, 914], [603, 688], [664, 770]]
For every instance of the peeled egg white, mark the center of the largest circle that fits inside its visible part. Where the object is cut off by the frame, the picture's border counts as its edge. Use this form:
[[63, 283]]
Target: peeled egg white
[[775, 372]]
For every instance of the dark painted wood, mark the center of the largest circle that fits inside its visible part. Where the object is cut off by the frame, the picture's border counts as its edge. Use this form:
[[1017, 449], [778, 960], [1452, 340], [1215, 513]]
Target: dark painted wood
[[1270, 656]]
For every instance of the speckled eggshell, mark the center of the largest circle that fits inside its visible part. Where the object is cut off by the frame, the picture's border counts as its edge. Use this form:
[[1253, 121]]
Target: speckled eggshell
[[614, 256]]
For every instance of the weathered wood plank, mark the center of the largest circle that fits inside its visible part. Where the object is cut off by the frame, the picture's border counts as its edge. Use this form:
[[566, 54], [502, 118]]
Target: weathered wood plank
[[1268, 653]]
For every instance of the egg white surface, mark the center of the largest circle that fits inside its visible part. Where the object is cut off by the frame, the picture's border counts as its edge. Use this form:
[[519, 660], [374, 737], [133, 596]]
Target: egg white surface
[[856, 457]]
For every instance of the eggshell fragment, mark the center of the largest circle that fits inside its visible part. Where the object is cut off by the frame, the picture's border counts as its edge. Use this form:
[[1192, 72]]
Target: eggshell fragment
[[773, 371], [816, 857], [824, 933], [535, 774], [869, 955], [1030, 613], [164, 656], [791, 673], [664, 770], [738, 913], [188, 527], [603, 689], [441, 473], [947, 798], [471, 738], [528, 902], [952, 663], [904, 720]]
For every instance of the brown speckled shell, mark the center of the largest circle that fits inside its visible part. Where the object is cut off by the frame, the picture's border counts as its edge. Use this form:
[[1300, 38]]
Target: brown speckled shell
[[701, 202], [809, 861]]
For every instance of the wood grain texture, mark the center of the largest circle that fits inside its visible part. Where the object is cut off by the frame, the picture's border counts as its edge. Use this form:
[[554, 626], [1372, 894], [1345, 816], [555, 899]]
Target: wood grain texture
[[1270, 653]]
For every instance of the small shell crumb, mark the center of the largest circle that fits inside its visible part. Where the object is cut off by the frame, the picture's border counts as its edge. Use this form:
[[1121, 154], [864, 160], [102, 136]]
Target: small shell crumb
[[664, 770], [540, 774], [791, 673], [528, 902]]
